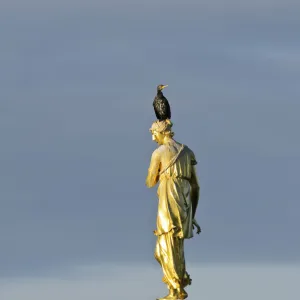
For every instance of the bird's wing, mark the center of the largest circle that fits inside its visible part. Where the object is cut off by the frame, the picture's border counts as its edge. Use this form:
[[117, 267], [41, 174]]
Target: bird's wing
[[156, 107], [162, 108], [166, 108]]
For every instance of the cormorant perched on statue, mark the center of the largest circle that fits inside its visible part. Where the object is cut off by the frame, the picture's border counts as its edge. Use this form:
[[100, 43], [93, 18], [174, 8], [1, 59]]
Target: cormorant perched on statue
[[161, 105]]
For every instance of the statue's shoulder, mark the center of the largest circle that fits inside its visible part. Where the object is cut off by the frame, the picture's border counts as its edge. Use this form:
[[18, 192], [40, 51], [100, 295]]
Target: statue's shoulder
[[161, 149], [157, 152], [187, 149], [191, 154]]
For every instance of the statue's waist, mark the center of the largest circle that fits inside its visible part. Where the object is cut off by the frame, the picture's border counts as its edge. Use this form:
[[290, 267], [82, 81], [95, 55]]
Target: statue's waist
[[173, 176]]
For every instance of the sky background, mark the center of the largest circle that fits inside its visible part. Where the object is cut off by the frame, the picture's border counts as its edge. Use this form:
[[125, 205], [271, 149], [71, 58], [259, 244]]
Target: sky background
[[77, 82]]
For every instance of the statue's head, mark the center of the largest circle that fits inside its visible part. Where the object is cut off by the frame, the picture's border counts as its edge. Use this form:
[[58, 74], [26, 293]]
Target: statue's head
[[161, 130]]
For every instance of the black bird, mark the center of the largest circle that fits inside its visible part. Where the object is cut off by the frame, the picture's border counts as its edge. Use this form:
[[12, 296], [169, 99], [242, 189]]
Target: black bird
[[161, 105]]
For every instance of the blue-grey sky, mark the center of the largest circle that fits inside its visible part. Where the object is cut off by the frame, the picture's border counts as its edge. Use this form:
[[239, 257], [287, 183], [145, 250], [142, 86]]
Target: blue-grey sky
[[77, 83], [132, 281]]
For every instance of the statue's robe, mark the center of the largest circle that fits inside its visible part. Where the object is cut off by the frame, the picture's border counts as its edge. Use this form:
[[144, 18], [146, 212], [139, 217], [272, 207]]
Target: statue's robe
[[172, 165]]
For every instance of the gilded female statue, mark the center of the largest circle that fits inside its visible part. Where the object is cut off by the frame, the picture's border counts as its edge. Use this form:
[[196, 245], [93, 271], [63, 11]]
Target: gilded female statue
[[173, 166]]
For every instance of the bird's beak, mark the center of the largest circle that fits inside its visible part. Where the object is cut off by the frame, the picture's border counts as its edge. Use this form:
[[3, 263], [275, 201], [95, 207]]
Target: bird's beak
[[164, 86]]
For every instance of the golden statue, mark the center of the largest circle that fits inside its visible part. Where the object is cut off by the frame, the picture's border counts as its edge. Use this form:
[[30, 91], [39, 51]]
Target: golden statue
[[173, 165]]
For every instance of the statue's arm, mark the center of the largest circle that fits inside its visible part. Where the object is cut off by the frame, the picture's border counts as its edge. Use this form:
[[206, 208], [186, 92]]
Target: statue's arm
[[153, 171], [195, 190]]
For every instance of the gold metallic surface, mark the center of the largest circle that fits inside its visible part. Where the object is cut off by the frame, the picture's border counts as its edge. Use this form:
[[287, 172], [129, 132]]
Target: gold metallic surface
[[173, 166]]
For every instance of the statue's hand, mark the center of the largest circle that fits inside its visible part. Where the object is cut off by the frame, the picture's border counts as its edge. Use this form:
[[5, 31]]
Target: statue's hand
[[195, 224]]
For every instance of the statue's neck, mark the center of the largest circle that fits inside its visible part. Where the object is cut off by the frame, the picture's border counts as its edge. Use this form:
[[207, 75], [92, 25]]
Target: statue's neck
[[168, 140]]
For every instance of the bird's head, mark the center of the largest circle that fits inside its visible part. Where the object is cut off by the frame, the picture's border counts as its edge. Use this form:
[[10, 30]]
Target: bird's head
[[161, 87]]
